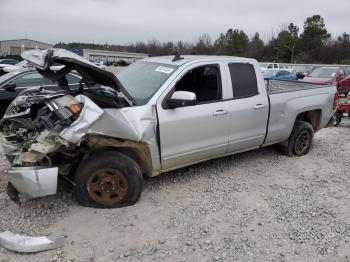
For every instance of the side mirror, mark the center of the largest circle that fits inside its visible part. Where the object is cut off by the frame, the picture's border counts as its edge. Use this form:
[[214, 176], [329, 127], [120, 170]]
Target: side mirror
[[181, 99], [10, 87]]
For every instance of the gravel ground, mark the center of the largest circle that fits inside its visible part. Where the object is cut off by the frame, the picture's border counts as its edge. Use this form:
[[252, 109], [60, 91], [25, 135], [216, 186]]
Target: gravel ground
[[255, 206]]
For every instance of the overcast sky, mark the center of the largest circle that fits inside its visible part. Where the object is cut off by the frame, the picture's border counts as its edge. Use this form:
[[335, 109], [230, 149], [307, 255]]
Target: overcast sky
[[124, 21]]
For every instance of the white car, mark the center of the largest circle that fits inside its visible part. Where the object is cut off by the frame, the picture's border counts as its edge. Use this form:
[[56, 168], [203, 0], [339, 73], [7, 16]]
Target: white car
[[267, 66], [100, 64], [23, 65], [6, 62]]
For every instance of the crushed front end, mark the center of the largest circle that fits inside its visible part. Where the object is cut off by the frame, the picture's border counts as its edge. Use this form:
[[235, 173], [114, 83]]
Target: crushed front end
[[36, 131], [47, 134], [30, 139]]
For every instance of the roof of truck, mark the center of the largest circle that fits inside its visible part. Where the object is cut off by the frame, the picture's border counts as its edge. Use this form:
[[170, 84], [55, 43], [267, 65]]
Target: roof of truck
[[198, 58]]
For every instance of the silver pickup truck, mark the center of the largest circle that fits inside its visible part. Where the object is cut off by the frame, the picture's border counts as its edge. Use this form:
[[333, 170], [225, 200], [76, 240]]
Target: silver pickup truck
[[157, 115]]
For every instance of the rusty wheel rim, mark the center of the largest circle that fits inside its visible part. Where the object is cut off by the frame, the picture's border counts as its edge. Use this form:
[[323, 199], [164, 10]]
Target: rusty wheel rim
[[302, 142], [107, 186]]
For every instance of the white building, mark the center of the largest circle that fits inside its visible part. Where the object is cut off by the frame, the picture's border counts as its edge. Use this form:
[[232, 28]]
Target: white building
[[17, 46], [111, 56]]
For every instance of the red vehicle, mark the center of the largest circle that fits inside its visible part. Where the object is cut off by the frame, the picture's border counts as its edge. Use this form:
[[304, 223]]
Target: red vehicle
[[339, 76], [343, 109]]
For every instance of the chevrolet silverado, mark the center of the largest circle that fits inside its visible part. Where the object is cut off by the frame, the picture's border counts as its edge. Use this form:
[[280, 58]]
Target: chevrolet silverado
[[157, 115]]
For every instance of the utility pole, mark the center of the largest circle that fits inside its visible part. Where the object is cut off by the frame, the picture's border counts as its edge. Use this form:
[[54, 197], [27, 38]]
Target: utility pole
[[292, 50]]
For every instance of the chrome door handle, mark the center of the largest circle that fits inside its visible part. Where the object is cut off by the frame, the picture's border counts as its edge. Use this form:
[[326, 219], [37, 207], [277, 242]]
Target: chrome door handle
[[259, 106], [220, 112]]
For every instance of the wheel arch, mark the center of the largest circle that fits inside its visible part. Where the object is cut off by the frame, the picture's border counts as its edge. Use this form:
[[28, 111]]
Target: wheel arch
[[312, 117], [138, 151]]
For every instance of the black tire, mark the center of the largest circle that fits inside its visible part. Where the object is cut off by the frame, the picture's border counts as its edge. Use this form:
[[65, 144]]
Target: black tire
[[300, 140], [108, 180], [338, 115], [337, 121]]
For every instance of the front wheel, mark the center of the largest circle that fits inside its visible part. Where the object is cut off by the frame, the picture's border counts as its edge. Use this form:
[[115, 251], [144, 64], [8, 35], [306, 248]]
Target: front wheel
[[300, 140], [108, 180]]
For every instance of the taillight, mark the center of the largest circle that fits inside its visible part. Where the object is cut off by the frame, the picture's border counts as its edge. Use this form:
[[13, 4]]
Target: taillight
[[336, 100]]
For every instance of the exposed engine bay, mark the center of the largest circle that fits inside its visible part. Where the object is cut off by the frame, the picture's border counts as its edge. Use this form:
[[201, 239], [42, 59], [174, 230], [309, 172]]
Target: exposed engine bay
[[47, 133], [32, 124]]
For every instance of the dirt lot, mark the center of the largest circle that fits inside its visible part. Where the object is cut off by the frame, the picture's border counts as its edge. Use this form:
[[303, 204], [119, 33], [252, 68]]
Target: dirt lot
[[255, 206]]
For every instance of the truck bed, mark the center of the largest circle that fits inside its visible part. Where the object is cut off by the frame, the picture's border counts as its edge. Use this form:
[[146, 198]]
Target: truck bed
[[283, 86]]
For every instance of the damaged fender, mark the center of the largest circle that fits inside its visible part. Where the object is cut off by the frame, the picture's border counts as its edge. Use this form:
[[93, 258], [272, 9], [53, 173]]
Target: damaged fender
[[88, 115], [136, 124]]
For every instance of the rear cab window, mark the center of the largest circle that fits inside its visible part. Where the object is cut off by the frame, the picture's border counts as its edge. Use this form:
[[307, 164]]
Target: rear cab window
[[243, 79]]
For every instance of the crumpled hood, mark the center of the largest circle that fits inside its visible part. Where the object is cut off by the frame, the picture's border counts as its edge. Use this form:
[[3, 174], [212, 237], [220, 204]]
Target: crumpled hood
[[42, 60]]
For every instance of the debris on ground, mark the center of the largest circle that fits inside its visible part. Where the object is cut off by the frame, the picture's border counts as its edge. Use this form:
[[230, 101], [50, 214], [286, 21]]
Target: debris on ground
[[27, 244]]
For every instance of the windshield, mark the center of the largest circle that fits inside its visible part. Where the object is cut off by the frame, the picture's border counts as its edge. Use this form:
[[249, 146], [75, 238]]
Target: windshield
[[324, 72], [305, 69], [269, 73], [142, 79]]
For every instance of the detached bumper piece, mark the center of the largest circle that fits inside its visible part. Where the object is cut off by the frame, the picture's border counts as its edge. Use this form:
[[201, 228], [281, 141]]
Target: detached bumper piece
[[27, 244], [33, 182]]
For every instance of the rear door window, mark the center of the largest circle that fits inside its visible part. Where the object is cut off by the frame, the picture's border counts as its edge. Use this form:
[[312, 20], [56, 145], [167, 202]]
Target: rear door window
[[243, 78]]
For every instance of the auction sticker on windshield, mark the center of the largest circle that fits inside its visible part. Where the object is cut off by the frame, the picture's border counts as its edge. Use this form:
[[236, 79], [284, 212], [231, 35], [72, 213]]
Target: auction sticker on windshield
[[164, 69]]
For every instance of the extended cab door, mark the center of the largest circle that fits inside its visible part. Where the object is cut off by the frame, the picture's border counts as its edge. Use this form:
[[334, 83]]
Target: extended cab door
[[249, 107], [200, 132]]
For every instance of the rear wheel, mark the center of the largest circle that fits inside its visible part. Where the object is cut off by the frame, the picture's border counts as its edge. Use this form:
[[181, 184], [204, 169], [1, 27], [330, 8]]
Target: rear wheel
[[338, 115], [300, 140], [108, 180], [336, 121]]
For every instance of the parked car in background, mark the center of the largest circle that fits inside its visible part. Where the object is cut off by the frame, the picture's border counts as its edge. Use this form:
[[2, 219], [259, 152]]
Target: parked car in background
[[11, 84], [306, 70], [279, 74], [267, 66], [6, 62], [339, 76], [23, 65], [100, 64], [122, 63], [166, 113]]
